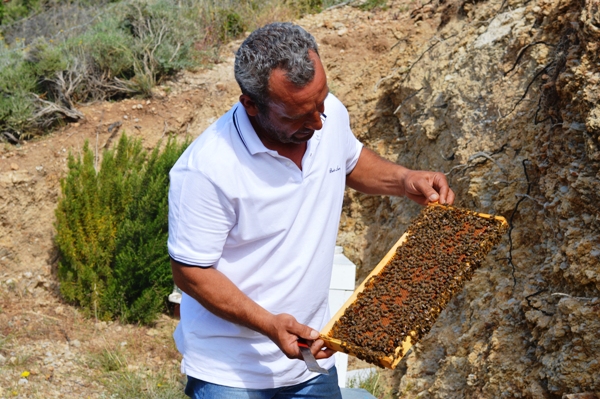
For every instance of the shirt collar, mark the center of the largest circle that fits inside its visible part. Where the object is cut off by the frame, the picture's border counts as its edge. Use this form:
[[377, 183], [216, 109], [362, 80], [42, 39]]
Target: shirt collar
[[246, 131]]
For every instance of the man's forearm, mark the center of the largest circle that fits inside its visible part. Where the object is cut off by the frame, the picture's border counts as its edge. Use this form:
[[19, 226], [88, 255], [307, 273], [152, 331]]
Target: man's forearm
[[375, 175], [218, 294]]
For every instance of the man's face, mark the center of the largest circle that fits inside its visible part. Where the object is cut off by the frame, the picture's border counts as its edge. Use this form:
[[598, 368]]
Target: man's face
[[293, 113]]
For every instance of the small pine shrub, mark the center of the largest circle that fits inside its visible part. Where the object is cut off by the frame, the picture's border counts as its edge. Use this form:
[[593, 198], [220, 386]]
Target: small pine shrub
[[112, 231]]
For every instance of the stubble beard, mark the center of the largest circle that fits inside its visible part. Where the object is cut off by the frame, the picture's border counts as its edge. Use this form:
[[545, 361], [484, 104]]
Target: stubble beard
[[274, 134]]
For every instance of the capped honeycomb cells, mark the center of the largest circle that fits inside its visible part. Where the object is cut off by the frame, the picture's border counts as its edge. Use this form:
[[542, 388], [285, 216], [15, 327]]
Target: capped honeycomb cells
[[444, 246]]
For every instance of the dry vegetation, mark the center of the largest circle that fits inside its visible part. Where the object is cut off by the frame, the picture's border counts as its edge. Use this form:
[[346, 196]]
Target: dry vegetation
[[55, 55]]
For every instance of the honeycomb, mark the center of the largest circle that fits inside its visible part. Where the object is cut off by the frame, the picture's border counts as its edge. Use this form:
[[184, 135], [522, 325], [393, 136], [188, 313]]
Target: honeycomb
[[401, 299]]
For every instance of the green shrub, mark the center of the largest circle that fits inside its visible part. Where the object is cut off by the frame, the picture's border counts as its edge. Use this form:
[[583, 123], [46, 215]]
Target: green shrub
[[111, 49], [45, 60], [13, 10], [23, 73], [112, 231], [232, 24], [17, 80], [308, 6]]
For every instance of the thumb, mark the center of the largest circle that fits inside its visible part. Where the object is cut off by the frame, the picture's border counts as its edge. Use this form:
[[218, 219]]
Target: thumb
[[307, 333], [424, 187]]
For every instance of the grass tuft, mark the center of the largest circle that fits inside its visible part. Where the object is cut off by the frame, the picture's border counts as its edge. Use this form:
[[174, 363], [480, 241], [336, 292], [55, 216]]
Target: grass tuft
[[127, 385], [370, 5], [371, 383]]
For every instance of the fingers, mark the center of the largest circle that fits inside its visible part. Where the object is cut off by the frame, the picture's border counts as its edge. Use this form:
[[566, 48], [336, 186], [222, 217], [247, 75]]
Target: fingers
[[286, 333], [419, 199], [450, 197], [324, 353], [424, 187], [318, 350], [446, 194], [304, 331]]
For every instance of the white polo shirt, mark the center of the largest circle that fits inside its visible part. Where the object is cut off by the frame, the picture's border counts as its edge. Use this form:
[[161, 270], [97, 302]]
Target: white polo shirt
[[270, 228]]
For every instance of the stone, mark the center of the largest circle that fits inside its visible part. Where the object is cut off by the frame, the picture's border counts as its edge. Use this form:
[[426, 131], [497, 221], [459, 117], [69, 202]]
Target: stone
[[500, 27]]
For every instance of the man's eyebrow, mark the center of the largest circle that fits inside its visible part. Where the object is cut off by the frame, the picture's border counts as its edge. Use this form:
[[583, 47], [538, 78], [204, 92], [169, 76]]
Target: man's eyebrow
[[308, 113]]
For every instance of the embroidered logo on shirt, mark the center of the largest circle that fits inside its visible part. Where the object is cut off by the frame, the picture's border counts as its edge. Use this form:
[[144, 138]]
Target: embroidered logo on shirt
[[331, 170]]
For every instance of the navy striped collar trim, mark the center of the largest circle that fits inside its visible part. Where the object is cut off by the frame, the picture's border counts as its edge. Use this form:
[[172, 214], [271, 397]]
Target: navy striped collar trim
[[236, 123]]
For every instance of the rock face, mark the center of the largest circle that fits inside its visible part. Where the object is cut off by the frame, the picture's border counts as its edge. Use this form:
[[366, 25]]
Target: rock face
[[505, 98]]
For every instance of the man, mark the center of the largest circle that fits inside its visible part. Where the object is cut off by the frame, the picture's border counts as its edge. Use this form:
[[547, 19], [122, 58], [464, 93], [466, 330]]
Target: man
[[254, 207]]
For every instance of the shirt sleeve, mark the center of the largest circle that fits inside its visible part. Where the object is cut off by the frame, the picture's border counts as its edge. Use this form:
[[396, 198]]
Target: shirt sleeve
[[350, 143], [200, 218], [354, 148]]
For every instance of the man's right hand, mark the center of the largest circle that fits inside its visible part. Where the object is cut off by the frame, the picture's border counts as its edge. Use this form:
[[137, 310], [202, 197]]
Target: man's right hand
[[285, 331]]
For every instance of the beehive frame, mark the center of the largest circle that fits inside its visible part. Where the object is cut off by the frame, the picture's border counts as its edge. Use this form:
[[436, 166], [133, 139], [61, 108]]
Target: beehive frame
[[410, 339]]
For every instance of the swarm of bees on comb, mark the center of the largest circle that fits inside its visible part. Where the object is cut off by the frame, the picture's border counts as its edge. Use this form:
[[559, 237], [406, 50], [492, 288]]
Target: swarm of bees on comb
[[401, 299]]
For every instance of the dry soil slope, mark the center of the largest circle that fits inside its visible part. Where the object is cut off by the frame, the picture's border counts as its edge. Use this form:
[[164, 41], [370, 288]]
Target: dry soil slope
[[63, 351]]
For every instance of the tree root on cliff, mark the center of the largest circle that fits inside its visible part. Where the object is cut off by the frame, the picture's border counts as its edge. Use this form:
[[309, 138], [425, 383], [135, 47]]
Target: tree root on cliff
[[522, 52], [481, 154], [425, 52], [511, 223], [537, 75], [531, 305]]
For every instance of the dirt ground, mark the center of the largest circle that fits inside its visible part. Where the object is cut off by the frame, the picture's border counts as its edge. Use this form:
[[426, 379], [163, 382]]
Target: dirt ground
[[41, 334], [501, 95]]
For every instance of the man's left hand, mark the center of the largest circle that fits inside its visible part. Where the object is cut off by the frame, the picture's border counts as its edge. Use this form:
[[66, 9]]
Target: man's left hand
[[424, 187], [375, 175]]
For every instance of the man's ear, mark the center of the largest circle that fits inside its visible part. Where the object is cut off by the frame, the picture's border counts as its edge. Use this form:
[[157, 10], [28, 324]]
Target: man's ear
[[249, 105]]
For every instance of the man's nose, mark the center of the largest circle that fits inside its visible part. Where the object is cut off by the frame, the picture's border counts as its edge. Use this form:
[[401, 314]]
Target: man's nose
[[315, 122]]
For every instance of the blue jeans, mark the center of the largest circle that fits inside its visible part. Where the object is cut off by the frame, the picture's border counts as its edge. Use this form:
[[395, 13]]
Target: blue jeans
[[320, 387]]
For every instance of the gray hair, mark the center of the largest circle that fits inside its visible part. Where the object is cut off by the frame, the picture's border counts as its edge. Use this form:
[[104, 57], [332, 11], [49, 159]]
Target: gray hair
[[277, 45]]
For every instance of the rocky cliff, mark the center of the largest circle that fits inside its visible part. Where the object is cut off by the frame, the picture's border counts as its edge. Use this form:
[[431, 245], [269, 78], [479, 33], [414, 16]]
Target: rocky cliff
[[503, 97]]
